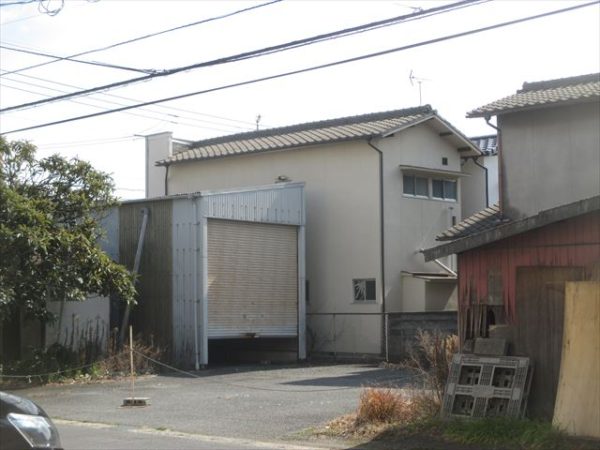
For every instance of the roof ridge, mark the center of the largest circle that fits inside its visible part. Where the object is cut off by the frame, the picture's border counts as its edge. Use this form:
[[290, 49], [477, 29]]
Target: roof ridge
[[347, 120], [559, 82]]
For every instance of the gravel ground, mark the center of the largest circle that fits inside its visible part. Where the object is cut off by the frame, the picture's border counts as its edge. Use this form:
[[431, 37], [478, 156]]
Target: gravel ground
[[263, 403]]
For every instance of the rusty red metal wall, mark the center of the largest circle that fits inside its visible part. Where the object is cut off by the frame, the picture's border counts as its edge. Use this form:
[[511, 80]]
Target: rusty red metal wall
[[570, 243]]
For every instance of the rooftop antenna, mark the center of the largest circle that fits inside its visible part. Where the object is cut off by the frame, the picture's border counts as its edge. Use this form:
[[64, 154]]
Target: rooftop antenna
[[258, 117], [412, 78]]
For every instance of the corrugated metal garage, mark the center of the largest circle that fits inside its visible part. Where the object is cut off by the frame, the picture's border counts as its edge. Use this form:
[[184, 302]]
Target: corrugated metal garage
[[232, 263]]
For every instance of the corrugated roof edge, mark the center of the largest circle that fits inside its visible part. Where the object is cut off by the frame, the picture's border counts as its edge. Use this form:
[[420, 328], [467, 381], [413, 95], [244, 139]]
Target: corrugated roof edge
[[209, 192], [505, 230]]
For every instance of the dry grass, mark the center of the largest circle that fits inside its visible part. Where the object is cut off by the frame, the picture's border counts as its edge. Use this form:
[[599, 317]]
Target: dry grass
[[381, 409]]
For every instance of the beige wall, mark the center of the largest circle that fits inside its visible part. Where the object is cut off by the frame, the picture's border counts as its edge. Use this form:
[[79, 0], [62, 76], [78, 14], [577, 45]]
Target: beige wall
[[342, 230], [158, 146], [343, 224], [550, 157], [412, 223]]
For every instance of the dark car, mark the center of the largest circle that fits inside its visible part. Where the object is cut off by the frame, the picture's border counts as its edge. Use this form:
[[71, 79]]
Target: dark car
[[23, 425]]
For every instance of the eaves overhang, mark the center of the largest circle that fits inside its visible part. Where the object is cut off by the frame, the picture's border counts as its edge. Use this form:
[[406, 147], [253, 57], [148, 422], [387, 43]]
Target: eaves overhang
[[503, 231]]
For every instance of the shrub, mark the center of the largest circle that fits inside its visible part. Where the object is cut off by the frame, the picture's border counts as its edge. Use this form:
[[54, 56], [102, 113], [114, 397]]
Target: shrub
[[430, 358], [377, 405]]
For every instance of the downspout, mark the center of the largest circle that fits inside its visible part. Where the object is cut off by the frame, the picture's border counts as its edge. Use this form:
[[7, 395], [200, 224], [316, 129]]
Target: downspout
[[166, 179], [487, 188], [500, 171], [382, 244]]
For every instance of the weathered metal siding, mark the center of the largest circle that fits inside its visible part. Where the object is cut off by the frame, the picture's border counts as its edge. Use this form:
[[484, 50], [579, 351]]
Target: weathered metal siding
[[282, 205], [152, 315], [186, 243], [570, 243]]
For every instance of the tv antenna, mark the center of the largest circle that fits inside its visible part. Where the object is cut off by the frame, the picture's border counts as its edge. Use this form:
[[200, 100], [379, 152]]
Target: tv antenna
[[412, 78], [258, 117]]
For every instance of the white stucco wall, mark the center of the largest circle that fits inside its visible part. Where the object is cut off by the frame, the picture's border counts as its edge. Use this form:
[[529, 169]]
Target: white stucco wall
[[412, 223], [343, 224], [158, 146], [549, 157], [342, 229]]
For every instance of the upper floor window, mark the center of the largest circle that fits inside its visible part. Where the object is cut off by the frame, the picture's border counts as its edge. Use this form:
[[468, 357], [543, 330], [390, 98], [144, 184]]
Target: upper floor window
[[444, 189], [425, 187], [414, 185]]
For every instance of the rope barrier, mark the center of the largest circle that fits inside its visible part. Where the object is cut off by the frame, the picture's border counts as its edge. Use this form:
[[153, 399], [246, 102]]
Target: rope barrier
[[175, 369], [40, 375]]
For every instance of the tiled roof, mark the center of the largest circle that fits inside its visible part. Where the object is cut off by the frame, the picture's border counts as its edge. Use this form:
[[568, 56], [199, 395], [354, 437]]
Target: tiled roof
[[482, 221], [327, 131], [487, 144], [543, 93]]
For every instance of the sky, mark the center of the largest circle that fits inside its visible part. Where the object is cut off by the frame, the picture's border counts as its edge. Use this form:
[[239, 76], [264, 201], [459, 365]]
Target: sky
[[454, 76]]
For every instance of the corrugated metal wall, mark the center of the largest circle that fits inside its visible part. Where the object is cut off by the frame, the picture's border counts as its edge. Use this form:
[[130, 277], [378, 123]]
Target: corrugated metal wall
[[252, 279], [184, 267], [152, 315], [573, 242]]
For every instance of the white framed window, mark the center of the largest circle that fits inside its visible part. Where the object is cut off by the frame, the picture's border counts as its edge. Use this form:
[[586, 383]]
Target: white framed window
[[429, 187], [444, 189], [415, 185], [364, 289]]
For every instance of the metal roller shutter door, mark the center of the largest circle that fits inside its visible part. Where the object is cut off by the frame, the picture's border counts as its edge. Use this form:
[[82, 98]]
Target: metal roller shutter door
[[252, 279]]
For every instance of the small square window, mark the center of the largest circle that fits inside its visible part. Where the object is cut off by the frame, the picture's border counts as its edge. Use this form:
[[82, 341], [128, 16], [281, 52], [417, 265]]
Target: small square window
[[444, 161], [364, 290]]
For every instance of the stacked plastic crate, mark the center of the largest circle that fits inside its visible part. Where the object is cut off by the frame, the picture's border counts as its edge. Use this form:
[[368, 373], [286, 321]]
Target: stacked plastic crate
[[485, 386]]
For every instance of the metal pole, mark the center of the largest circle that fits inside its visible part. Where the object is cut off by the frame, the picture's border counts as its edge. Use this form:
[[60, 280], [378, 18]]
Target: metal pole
[[334, 337], [136, 268], [131, 362], [195, 282], [386, 327]]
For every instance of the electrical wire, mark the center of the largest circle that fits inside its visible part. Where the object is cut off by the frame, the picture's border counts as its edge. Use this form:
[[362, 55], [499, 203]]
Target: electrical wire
[[80, 61], [234, 123], [172, 118], [264, 51], [24, 2], [313, 68], [173, 108], [158, 33]]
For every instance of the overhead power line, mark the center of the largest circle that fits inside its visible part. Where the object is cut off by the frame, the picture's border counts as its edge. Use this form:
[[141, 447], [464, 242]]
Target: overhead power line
[[146, 36], [80, 61], [313, 68], [263, 51], [169, 111]]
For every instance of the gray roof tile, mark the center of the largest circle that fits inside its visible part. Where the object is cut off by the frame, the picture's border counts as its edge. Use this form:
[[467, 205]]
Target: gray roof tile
[[538, 94], [347, 128], [481, 221], [487, 144]]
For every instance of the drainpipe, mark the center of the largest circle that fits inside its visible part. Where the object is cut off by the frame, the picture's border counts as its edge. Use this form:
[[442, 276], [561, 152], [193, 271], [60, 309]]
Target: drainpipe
[[487, 188], [500, 171], [166, 179], [382, 243], [195, 280]]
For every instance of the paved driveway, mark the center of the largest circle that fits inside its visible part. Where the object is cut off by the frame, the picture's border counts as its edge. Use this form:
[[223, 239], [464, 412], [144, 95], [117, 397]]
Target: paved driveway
[[245, 403]]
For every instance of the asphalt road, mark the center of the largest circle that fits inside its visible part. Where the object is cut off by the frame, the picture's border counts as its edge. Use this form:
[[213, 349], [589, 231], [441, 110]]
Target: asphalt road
[[238, 407]]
